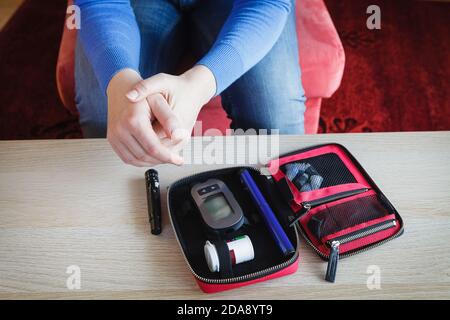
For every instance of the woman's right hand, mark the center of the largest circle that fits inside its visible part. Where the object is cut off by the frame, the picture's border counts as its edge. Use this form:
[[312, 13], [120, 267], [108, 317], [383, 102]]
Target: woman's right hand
[[130, 131]]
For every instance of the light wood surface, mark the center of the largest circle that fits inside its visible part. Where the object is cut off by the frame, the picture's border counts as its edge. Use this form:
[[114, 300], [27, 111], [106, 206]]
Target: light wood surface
[[72, 202]]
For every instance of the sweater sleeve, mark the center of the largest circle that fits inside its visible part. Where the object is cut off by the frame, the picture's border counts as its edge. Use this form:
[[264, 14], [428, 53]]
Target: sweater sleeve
[[250, 31], [110, 37]]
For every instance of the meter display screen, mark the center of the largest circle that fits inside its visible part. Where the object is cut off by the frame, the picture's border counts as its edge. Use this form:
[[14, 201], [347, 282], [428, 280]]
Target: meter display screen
[[218, 207]]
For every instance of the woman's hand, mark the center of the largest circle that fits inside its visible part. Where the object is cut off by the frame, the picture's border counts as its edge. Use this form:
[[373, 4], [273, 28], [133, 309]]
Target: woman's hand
[[185, 94], [130, 129]]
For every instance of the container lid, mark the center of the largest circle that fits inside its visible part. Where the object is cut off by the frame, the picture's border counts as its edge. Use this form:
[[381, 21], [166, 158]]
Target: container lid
[[212, 258]]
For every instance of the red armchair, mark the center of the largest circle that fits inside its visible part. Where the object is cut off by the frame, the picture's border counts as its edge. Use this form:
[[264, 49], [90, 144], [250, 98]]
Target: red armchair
[[322, 62]]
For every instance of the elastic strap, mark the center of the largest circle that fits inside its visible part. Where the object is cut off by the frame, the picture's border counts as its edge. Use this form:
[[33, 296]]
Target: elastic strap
[[226, 268]]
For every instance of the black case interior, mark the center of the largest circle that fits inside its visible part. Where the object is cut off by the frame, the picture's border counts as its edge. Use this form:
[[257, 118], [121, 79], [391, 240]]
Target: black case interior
[[192, 234]]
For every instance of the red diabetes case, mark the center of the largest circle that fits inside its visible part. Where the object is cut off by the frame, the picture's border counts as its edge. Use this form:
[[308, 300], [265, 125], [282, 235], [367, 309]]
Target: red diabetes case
[[348, 214]]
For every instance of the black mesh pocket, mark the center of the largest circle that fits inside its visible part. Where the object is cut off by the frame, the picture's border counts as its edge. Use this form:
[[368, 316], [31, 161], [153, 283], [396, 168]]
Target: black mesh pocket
[[318, 172], [345, 215]]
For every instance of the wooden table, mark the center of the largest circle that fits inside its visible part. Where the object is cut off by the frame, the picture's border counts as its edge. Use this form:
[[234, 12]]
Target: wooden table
[[66, 203]]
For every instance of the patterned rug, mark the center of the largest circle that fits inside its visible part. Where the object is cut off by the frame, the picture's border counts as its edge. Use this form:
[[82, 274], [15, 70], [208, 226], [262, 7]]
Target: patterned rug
[[396, 78]]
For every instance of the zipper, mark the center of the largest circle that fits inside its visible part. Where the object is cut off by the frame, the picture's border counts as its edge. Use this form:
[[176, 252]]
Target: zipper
[[335, 244], [352, 253], [332, 261], [308, 205], [364, 232], [247, 277]]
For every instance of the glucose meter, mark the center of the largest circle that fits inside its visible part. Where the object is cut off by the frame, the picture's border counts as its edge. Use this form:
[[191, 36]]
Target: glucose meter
[[218, 207]]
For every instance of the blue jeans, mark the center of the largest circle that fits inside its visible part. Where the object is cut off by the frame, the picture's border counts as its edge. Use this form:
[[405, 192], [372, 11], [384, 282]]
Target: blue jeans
[[268, 96]]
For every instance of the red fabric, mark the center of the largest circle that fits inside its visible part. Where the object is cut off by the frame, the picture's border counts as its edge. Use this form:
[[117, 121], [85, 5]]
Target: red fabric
[[213, 288], [312, 113], [213, 116], [322, 56]]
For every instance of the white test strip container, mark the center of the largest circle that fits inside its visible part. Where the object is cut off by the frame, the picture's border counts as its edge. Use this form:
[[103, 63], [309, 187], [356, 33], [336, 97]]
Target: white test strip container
[[240, 249]]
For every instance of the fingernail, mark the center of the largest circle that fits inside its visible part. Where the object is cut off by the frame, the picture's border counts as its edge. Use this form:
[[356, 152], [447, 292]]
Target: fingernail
[[133, 95]]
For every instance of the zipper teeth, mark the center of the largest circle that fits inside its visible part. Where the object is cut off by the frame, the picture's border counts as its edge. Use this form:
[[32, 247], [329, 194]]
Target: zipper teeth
[[344, 255], [357, 235], [253, 275], [338, 196]]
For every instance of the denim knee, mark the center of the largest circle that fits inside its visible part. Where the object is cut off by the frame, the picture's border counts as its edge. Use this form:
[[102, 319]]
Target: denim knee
[[270, 95], [267, 110]]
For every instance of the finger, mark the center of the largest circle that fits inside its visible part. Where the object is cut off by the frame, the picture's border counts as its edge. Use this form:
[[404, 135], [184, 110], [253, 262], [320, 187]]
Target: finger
[[125, 155], [175, 147], [148, 139], [144, 88], [166, 117], [137, 150], [159, 131]]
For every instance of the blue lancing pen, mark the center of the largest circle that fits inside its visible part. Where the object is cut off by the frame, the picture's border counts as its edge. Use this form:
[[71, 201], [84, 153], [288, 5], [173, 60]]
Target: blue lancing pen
[[270, 219]]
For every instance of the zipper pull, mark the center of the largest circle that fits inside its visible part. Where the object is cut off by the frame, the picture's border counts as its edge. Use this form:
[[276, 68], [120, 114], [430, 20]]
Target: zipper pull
[[304, 210], [333, 261]]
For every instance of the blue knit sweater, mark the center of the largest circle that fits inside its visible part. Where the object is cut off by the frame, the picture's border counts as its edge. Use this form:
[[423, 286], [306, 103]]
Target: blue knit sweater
[[111, 39]]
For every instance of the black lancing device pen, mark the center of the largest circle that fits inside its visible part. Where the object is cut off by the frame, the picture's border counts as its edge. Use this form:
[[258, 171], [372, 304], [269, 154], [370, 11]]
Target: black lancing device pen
[[153, 200]]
